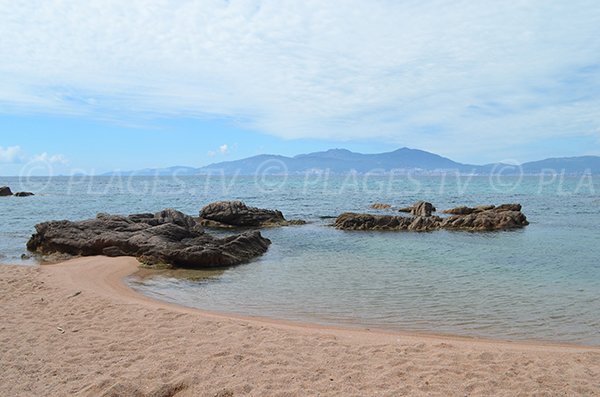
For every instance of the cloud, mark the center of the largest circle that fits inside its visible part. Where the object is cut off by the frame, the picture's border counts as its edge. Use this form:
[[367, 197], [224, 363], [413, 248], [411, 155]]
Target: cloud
[[16, 155], [223, 150], [52, 159], [454, 76], [11, 154]]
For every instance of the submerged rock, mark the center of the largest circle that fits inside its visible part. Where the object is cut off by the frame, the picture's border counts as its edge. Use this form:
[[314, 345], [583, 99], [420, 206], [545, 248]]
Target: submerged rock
[[167, 237], [23, 194], [5, 191], [505, 216], [229, 214]]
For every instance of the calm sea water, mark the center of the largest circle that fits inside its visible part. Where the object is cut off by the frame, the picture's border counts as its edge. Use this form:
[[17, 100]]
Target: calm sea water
[[541, 282]]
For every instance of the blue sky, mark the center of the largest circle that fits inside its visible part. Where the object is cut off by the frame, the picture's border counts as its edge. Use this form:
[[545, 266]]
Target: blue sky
[[100, 85]]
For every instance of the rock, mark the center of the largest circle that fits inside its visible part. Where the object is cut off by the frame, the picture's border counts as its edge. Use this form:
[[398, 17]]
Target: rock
[[23, 194], [167, 237], [483, 218], [229, 214], [5, 191], [468, 210], [508, 207], [498, 218], [422, 208], [353, 221], [380, 206], [459, 211], [424, 223]]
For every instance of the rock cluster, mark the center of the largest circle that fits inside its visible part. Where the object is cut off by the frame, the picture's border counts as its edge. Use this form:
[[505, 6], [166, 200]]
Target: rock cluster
[[231, 214], [5, 191], [168, 237], [485, 218]]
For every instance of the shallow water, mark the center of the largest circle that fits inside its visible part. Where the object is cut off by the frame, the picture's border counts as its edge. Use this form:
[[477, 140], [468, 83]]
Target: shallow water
[[541, 282]]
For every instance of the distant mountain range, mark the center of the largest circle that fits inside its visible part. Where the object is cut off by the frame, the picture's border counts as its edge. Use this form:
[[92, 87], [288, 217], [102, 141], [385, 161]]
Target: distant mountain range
[[342, 161]]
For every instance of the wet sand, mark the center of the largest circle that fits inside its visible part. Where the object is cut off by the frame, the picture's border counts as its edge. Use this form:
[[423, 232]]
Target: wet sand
[[76, 329]]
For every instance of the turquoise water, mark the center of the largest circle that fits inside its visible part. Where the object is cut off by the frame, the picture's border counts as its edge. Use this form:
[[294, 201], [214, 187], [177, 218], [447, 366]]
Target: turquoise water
[[541, 282]]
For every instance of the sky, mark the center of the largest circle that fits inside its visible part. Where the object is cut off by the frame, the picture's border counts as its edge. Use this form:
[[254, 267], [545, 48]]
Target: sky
[[102, 85]]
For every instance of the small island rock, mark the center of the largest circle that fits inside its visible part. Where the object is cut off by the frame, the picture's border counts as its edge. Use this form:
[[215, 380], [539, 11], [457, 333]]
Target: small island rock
[[229, 214], [5, 191]]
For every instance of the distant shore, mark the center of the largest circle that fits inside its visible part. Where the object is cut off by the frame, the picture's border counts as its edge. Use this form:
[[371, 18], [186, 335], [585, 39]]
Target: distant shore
[[77, 329]]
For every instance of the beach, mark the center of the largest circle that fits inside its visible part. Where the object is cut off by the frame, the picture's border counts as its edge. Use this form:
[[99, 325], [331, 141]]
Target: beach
[[76, 328]]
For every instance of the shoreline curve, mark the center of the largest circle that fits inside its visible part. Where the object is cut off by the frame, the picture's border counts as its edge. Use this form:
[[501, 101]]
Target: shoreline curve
[[108, 280], [77, 329]]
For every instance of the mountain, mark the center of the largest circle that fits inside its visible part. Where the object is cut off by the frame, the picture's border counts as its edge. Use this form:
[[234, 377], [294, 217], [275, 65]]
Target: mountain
[[342, 161], [568, 165]]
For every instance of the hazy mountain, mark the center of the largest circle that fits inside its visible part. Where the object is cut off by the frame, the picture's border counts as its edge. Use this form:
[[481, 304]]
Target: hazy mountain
[[342, 161], [568, 165]]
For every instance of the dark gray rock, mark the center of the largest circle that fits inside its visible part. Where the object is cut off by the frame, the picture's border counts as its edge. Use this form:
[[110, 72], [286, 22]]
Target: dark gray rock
[[229, 214], [167, 237], [505, 216], [5, 191], [23, 194]]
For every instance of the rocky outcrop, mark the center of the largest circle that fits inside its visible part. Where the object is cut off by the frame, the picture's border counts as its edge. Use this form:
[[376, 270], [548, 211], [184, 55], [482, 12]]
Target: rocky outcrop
[[5, 191], [505, 216], [354, 221], [23, 194], [380, 206], [230, 214], [486, 221], [468, 210], [167, 237], [422, 208]]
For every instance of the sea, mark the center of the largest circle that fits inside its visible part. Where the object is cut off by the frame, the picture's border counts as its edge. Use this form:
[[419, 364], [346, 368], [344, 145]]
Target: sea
[[541, 282]]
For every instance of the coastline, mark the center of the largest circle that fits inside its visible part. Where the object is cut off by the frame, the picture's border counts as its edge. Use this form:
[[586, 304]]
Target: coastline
[[101, 331]]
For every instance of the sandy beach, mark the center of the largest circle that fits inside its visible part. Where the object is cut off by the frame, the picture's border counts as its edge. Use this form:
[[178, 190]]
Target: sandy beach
[[76, 329]]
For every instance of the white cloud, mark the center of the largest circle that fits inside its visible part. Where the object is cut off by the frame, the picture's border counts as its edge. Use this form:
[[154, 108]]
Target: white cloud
[[52, 159], [223, 150], [10, 154], [453, 76]]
